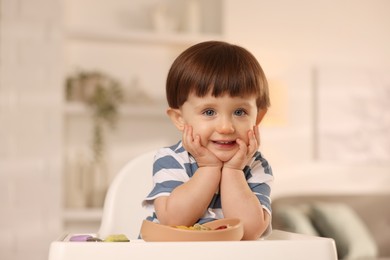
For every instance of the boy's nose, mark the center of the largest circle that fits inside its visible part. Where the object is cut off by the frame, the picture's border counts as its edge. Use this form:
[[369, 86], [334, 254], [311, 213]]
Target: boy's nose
[[225, 126]]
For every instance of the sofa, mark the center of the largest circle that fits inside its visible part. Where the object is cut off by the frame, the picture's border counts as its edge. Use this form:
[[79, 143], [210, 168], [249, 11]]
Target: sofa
[[349, 202], [359, 223]]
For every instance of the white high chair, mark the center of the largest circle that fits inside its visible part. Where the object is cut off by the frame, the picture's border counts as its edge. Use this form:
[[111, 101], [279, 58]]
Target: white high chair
[[123, 214]]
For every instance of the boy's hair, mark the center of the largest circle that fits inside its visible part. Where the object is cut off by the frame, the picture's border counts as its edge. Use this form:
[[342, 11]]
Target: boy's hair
[[219, 67]]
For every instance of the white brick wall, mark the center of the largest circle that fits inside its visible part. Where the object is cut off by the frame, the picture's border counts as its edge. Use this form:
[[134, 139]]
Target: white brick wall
[[30, 127]]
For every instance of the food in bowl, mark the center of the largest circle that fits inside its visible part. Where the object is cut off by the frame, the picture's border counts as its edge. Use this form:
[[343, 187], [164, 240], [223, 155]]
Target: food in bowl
[[201, 227], [228, 229]]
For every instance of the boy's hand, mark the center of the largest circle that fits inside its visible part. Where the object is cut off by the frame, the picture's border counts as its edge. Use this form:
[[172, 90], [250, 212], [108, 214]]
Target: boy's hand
[[202, 155], [245, 153]]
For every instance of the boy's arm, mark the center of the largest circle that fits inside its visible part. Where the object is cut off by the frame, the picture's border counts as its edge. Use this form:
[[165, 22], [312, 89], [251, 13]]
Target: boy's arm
[[188, 202], [238, 201]]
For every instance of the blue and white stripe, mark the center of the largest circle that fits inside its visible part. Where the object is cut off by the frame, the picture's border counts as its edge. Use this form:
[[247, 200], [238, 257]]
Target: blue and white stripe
[[174, 165]]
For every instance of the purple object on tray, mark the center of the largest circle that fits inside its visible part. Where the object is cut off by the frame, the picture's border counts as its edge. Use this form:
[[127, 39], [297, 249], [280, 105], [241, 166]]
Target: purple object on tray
[[80, 238]]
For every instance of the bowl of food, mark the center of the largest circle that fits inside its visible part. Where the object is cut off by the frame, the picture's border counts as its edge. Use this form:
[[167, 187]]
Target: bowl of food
[[228, 229]]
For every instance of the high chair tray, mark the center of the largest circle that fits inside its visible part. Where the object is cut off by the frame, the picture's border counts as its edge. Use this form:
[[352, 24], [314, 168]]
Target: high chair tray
[[278, 245]]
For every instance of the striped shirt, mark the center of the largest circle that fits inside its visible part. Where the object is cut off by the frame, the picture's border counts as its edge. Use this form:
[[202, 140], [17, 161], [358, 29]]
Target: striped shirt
[[174, 166]]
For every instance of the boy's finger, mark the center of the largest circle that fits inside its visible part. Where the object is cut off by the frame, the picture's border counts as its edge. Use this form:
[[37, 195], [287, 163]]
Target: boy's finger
[[253, 143], [242, 145], [257, 134]]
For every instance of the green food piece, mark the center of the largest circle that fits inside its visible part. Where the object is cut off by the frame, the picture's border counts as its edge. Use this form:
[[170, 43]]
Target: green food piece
[[200, 227], [117, 238]]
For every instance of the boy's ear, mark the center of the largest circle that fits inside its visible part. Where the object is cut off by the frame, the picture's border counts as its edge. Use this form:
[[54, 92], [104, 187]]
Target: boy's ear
[[260, 115], [176, 117]]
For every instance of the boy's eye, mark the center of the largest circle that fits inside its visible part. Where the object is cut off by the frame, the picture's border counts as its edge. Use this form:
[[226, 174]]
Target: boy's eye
[[209, 112], [239, 112]]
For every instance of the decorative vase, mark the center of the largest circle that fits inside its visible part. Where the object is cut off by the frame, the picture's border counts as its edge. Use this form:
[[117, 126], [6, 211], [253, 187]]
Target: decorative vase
[[99, 184]]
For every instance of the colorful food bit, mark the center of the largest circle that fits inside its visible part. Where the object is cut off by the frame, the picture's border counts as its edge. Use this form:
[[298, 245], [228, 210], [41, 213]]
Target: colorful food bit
[[183, 227], [221, 227], [200, 227], [194, 227], [94, 239], [80, 238], [117, 238]]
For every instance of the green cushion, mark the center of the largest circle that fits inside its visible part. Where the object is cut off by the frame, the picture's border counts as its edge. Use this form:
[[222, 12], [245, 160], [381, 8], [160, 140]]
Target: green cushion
[[340, 222], [294, 219]]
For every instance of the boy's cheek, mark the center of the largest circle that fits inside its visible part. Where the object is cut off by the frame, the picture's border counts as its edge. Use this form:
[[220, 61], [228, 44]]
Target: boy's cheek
[[200, 133], [244, 134], [195, 132], [246, 141]]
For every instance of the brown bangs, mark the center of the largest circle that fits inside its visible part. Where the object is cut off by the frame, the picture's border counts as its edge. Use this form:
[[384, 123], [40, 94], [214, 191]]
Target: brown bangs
[[218, 68]]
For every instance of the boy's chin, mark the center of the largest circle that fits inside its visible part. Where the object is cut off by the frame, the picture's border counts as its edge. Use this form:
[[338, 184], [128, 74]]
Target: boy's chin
[[225, 156]]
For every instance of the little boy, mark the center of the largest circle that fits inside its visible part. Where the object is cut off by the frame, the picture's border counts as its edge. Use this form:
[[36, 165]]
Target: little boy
[[217, 95]]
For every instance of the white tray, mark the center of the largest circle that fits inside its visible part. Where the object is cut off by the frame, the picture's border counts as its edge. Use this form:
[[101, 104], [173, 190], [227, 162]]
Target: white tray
[[279, 245]]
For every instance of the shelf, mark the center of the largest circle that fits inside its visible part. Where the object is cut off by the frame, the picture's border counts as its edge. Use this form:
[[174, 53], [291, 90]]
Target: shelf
[[158, 109], [144, 37], [117, 38]]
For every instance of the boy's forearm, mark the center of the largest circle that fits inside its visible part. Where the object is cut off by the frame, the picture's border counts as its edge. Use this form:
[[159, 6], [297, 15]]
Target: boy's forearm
[[239, 201], [188, 202]]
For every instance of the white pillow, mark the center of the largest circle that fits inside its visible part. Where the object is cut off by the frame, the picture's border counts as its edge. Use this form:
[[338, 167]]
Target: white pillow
[[340, 222], [294, 219]]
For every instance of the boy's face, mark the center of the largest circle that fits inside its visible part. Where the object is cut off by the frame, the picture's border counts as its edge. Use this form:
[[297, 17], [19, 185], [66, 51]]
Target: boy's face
[[219, 121]]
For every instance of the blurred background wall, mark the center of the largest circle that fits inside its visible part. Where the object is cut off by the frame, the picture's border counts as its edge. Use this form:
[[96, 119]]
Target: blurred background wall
[[30, 122], [305, 47]]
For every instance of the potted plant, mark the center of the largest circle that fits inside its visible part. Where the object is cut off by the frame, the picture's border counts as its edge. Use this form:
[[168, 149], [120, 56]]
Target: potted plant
[[103, 95]]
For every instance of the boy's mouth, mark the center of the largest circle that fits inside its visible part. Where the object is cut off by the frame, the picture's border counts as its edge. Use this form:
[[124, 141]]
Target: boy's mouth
[[225, 142]]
